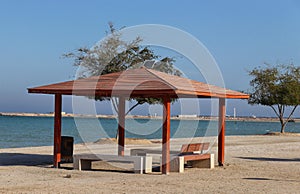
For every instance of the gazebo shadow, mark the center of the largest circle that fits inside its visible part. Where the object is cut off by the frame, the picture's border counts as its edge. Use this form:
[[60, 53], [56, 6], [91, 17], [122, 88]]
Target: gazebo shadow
[[271, 159], [21, 159], [269, 179]]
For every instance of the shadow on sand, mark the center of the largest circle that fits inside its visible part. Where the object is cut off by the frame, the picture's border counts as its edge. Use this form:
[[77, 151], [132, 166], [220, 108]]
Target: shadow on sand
[[271, 159], [15, 159], [268, 179]]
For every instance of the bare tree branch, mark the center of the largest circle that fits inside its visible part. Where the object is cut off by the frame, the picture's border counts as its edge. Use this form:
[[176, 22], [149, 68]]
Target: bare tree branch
[[132, 108], [292, 112], [275, 111]]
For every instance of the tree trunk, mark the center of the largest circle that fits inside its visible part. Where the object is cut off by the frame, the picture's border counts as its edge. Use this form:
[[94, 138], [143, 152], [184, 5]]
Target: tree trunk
[[280, 114], [282, 123], [282, 128]]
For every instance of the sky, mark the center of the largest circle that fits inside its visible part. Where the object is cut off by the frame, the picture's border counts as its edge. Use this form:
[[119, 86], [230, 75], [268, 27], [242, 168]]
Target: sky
[[240, 35]]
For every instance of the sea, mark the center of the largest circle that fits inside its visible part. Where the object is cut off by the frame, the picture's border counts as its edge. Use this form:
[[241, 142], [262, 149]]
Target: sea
[[17, 131]]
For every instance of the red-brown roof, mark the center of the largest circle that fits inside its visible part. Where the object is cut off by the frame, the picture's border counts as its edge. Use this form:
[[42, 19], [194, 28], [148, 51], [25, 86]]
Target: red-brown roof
[[140, 82]]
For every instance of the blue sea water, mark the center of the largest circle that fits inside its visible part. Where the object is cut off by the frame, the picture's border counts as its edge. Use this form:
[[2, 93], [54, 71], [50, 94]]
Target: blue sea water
[[38, 131]]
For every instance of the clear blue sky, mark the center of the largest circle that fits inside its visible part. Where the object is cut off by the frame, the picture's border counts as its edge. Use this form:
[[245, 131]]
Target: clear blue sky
[[239, 34]]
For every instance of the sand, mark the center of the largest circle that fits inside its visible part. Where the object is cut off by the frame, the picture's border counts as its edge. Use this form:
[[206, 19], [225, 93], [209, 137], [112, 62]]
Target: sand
[[254, 164]]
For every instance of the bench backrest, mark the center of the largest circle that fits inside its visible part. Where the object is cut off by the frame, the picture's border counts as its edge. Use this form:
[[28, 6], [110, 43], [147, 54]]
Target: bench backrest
[[194, 148]]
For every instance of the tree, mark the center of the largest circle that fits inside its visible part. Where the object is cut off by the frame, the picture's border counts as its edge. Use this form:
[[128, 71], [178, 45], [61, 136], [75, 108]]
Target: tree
[[277, 87], [114, 55]]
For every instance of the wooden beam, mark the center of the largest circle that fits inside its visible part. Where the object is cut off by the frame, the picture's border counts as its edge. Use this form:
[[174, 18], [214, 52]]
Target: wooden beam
[[221, 138], [121, 126], [166, 137], [57, 130]]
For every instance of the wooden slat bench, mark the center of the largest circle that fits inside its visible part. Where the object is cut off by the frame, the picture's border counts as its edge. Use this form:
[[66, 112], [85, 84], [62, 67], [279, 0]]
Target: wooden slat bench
[[193, 155], [195, 148], [140, 163]]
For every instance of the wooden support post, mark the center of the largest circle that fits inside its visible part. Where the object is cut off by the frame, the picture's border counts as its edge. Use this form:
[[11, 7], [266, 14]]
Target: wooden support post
[[221, 138], [166, 137], [57, 130], [121, 126]]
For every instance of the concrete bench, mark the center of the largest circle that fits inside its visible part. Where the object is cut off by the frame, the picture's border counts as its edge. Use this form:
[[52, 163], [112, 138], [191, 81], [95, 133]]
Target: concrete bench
[[194, 155], [140, 163], [194, 160]]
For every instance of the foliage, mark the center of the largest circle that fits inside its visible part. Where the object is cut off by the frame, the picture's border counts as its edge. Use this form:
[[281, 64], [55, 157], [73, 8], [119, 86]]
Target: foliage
[[114, 54], [277, 87]]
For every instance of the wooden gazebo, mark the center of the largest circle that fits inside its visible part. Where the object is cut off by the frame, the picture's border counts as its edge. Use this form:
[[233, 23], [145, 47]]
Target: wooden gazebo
[[135, 83]]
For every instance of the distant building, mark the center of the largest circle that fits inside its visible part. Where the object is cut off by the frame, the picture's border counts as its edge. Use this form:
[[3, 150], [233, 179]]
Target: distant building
[[187, 116], [63, 113]]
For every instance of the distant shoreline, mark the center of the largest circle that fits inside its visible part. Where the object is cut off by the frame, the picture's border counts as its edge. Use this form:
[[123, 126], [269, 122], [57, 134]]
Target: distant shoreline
[[257, 119]]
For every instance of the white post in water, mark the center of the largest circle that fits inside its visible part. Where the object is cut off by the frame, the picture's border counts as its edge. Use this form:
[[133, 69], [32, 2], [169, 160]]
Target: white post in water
[[234, 113]]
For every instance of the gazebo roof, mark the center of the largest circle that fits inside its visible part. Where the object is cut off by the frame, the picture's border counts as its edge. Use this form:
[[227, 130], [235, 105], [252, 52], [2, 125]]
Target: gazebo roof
[[141, 82]]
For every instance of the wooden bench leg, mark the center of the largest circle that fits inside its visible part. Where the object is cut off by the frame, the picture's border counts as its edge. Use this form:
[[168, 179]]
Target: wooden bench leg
[[207, 163]]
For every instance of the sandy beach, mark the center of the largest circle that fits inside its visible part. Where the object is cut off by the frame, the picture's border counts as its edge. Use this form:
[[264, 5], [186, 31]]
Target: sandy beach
[[254, 164]]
